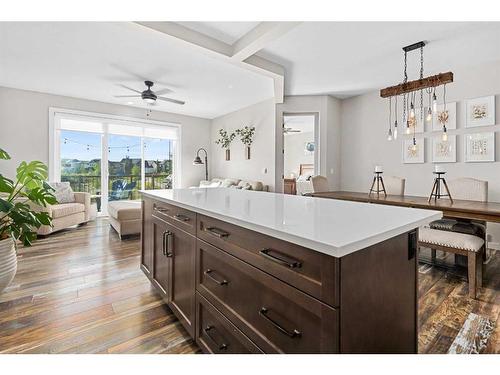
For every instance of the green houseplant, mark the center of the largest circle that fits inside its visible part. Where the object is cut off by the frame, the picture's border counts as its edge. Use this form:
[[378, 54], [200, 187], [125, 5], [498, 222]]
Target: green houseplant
[[225, 141], [246, 135], [19, 221]]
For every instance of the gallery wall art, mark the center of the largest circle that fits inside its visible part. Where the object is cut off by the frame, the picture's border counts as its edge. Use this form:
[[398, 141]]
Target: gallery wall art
[[444, 151], [480, 147], [449, 114], [414, 153], [480, 111]]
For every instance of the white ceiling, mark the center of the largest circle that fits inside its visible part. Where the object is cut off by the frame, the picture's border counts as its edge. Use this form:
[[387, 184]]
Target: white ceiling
[[343, 59], [88, 60], [348, 58]]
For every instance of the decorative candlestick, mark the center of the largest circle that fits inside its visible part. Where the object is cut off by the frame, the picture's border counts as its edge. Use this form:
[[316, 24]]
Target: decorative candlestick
[[436, 187], [379, 181]]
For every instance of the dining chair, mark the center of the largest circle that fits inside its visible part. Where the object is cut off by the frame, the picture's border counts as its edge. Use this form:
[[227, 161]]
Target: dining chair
[[460, 237], [319, 184], [394, 185]]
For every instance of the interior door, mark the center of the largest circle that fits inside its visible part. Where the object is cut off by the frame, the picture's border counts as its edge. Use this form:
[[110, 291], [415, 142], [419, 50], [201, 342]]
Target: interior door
[[162, 239]]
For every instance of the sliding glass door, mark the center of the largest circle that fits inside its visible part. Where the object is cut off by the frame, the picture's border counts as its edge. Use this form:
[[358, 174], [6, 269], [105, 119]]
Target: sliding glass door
[[112, 158]]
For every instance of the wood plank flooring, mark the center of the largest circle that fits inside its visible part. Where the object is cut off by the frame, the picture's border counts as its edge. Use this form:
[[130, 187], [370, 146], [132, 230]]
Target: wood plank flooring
[[81, 291]]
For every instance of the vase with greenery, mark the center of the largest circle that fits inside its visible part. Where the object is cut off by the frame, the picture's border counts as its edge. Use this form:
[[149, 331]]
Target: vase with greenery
[[225, 140], [246, 135], [19, 220]]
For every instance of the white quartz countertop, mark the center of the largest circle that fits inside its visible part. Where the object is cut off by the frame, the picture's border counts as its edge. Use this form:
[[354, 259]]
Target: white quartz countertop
[[330, 226]]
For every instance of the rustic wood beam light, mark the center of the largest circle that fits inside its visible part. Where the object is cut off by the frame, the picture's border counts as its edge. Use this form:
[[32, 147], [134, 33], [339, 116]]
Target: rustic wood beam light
[[418, 84]]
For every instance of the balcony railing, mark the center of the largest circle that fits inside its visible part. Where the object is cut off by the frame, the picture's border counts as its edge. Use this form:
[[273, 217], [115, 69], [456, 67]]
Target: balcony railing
[[92, 183]]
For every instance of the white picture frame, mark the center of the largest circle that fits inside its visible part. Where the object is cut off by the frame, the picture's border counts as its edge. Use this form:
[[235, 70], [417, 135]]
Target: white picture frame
[[479, 147], [409, 155], [480, 112], [452, 117], [444, 151]]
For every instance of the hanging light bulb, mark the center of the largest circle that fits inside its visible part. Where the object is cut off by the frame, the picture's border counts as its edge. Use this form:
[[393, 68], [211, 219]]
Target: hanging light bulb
[[389, 135], [414, 146], [428, 117], [395, 134], [408, 130], [444, 136], [412, 110], [434, 102]]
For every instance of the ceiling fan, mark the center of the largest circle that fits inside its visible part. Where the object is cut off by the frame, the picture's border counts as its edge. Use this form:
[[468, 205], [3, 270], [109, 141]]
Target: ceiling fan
[[149, 96]]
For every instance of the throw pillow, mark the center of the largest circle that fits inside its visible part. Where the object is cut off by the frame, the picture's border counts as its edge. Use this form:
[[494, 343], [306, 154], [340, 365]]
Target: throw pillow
[[63, 192]]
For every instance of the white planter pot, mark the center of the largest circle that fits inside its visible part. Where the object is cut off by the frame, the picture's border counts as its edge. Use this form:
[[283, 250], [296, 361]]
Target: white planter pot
[[8, 262]]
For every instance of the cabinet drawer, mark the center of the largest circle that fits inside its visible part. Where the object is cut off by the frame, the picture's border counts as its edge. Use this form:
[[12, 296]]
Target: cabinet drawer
[[216, 334], [181, 218], [312, 272], [274, 315]]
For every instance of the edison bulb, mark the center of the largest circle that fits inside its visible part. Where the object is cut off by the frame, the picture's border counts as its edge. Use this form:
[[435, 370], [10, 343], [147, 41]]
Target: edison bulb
[[408, 129], [412, 111], [434, 103], [414, 147], [444, 137], [389, 135], [395, 134], [428, 118]]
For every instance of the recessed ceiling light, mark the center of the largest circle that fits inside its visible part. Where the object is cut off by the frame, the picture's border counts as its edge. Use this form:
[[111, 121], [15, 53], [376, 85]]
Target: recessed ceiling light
[[230, 86], [129, 103]]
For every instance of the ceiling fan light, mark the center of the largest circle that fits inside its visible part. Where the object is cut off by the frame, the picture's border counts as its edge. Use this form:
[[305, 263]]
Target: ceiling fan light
[[150, 100]]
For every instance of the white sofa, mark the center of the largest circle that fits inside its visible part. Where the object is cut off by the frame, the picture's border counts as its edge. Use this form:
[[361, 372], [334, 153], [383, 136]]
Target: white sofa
[[234, 183]]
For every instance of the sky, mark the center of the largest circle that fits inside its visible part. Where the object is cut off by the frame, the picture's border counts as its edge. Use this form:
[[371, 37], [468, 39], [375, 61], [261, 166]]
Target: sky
[[75, 146]]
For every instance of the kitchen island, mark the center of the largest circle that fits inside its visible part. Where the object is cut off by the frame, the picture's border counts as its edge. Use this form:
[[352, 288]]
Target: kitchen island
[[256, 272]]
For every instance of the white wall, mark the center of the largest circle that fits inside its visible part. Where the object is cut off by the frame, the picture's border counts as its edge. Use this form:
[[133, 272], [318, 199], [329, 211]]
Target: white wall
[[328, 109], [364, 130], [260, 115], [24, 128], [295, 153]]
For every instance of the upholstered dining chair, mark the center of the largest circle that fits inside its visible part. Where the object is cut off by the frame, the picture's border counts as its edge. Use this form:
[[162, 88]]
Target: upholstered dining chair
[[394, 185], [319, 184], [461, 238]]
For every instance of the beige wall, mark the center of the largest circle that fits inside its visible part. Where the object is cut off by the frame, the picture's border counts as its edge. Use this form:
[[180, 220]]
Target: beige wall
[[260, 167], [364, 130], [24, 128]]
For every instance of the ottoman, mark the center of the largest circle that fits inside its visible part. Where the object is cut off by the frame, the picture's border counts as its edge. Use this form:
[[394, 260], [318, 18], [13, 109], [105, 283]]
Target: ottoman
[[125, 217]]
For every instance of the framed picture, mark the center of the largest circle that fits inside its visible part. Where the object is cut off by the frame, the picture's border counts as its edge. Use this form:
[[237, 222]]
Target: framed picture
[[413, 155], [480, 112], [480, 147], [444, 151], [450, 114]]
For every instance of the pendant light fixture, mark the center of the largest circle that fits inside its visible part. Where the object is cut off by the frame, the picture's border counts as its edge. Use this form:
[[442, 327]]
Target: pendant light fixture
[[395, 134], [409, 90], [389, 133], [444, 117]]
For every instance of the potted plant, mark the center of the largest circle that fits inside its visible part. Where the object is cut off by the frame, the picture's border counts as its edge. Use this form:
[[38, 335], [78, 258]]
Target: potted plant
[[225, 141], [246, 136], [18, 220]]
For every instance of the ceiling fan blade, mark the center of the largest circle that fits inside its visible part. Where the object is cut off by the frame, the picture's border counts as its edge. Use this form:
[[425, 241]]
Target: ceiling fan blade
[[129, 88], [163, 91], [127, 96], [171, 100]]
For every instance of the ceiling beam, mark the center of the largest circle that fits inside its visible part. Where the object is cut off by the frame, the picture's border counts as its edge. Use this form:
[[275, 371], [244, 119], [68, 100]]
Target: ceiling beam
[[260, 36], [241, 53]]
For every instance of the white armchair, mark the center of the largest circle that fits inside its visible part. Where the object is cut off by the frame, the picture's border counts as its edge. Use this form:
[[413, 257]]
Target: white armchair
[[65, 215]]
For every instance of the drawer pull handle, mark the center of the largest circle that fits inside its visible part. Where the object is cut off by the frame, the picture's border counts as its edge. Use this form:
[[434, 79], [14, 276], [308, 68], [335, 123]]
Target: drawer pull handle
[[220, 346], [161, 209], [219, 233], [282, 260], [181, 217], [209, 272], [168, 238], [264, 313]]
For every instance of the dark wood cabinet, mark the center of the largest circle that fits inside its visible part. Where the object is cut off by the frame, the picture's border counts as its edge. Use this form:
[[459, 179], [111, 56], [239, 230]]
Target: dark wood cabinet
[[147, 238], [182, 248], [239, 291], [161, 262]]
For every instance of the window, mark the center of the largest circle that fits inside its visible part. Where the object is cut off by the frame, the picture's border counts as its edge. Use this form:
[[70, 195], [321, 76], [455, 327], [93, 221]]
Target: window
[[112, 157]]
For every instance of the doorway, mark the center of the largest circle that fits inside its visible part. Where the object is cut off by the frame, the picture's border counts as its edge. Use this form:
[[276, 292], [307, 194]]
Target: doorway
[[300, 151]]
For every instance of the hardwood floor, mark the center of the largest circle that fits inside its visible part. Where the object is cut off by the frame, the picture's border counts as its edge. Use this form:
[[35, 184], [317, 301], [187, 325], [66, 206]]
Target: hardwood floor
[[81, 291]]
